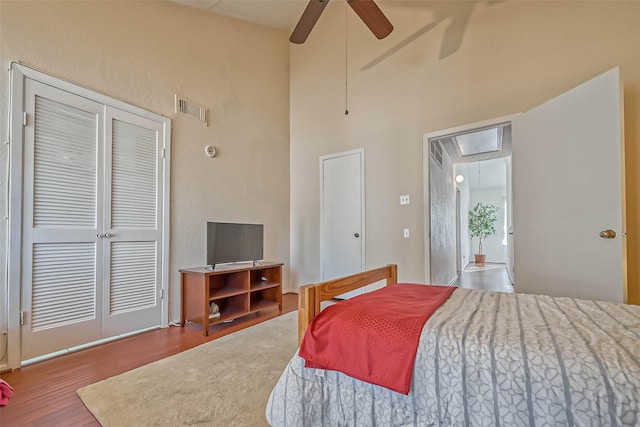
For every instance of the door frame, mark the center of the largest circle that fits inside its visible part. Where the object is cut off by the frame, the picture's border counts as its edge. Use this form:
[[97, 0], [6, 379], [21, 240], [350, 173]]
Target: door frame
[[426, 181], [18, 74], [360, 152]]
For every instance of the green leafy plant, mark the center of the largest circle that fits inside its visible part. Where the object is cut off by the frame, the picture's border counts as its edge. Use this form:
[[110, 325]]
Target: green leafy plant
[[482, 222]]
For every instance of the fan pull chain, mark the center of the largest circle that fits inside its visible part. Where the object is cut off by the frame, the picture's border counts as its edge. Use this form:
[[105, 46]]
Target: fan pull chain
[[346, 61]]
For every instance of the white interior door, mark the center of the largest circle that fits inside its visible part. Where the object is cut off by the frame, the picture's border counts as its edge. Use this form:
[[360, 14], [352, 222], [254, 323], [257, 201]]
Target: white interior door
[[133, 223], [62, 184], [510, 249], [458, 234], [567, 188], [342, 215]]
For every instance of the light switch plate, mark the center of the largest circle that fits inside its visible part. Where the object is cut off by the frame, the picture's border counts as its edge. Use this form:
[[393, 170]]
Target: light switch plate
[[406, 233]]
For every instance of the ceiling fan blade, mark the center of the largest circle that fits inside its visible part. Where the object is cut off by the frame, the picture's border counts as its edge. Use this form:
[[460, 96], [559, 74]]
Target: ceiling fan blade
[[307, 21], [372, 16]]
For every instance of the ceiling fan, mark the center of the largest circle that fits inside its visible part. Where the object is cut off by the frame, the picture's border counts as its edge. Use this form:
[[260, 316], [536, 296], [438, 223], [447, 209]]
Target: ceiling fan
[[367, 10]]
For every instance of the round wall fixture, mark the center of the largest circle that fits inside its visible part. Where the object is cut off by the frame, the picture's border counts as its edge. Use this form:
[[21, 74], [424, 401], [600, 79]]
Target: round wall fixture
[[210, 151]]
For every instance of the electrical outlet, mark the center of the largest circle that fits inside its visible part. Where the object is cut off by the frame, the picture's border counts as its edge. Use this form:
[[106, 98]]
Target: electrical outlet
[[404, 200], [406, 233]]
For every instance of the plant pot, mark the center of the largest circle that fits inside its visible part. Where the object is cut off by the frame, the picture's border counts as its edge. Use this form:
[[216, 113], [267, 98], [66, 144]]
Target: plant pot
[[480, 258]]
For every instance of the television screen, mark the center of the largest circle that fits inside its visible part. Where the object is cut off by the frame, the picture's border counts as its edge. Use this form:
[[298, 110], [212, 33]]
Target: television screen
[[231, 242]]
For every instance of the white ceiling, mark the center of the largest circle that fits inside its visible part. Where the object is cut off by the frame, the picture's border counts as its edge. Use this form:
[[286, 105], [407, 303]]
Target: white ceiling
[[281, 14]]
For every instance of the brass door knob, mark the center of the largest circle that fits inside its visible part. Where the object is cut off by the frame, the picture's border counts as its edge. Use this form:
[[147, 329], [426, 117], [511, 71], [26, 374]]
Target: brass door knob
[[608, 234]]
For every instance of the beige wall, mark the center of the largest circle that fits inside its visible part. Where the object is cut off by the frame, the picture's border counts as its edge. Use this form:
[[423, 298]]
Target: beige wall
[[513, 55], [145, 52]]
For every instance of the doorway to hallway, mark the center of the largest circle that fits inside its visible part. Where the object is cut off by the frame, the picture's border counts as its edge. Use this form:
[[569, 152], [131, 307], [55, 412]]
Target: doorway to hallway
[[466, 166], [552, 216]]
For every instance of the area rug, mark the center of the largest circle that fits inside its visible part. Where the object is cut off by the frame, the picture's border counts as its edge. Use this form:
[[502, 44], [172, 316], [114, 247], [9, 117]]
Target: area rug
[[225, 382]]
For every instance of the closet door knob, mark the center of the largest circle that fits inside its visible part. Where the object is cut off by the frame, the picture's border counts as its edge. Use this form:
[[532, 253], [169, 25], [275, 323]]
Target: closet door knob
[[99, 235], [107, 235]]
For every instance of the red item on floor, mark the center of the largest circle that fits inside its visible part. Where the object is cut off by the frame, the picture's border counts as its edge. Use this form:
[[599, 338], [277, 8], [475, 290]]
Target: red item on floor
[[373, 337], [5, 393]]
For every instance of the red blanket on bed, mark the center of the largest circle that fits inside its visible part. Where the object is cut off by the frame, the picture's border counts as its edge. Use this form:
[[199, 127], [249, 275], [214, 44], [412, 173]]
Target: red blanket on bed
[[373, 337]]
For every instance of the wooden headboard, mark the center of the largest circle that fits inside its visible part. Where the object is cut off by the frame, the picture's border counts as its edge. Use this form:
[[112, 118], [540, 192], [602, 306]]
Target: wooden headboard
[[310, 296]]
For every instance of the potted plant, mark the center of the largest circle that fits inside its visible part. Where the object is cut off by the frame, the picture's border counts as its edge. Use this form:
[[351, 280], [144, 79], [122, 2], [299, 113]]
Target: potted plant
[[482, 224]]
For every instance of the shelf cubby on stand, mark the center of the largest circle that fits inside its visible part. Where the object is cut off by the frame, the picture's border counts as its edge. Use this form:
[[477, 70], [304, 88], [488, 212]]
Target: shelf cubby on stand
[[237, 289]]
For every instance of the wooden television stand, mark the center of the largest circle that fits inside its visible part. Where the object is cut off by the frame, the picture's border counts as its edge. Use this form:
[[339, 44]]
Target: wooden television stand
[[238, 289]]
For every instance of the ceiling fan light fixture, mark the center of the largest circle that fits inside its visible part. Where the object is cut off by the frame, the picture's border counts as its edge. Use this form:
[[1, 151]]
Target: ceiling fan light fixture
[[372, 17], [307, 21], [367, 10]]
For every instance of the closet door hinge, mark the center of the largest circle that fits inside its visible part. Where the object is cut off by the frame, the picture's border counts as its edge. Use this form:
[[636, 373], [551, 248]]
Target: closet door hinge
[[164, 152], [161, 293], [22, 318], [24, 118]]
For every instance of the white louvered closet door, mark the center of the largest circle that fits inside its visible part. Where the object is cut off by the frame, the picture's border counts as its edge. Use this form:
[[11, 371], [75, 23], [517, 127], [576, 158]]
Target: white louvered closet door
[[92, 221], [61, 218], [133, 223]]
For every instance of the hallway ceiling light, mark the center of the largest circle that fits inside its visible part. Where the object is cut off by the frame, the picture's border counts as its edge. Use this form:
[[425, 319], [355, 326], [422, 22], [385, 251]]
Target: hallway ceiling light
[[459, 178]]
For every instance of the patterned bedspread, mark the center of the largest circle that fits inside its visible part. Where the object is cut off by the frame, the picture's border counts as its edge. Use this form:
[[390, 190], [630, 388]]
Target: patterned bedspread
[[489, 359]]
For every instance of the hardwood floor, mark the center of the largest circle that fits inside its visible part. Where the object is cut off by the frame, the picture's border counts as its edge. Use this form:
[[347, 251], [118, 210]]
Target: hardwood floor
[[45, 392], [488, 277]]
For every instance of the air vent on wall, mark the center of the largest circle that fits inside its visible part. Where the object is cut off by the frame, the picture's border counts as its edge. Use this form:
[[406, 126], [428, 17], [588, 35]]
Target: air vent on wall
[[190, 108], [436, 152]]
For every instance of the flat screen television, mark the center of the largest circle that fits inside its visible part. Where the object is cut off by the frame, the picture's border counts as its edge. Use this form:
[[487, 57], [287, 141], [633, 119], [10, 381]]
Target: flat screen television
[[231, 242]]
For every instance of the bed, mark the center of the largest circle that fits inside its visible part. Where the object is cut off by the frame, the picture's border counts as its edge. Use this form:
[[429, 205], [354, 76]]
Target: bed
[[483, 359]]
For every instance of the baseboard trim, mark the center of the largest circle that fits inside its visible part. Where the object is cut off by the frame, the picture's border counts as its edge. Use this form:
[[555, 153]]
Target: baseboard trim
[[452, 281]]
